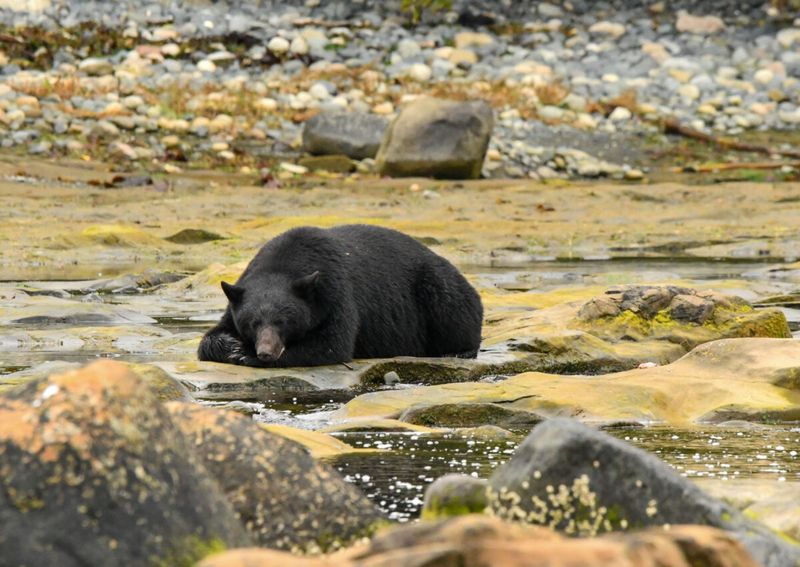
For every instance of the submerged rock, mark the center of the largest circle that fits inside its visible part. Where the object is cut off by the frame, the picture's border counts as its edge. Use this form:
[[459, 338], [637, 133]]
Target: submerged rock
[[283, 496], [477, 540], [354, 134], [581, 481], [94, 472], [469, 415], [437, 138]]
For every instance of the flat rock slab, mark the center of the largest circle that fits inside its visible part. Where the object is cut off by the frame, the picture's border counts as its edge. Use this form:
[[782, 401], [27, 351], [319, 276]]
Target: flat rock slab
[[750, 379], [17, 307]]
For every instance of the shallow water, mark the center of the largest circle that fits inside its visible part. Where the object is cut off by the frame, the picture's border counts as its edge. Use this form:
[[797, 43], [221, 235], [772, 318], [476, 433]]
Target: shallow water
[[396, 479]]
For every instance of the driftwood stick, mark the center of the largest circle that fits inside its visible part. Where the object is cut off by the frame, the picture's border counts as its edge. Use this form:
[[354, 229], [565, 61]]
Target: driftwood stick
[[713, 167], [672, 126]]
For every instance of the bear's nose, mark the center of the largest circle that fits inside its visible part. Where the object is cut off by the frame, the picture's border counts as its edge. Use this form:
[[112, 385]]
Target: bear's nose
[[269, 345]]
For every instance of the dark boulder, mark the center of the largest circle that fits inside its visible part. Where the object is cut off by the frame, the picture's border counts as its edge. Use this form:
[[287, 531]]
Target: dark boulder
[[93, 472], [354, 134], [285, 498], [581, 481]]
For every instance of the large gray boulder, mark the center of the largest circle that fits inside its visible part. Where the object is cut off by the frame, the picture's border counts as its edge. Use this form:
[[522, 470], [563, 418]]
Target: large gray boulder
[[354, 134], [437, 138], [582, 481]]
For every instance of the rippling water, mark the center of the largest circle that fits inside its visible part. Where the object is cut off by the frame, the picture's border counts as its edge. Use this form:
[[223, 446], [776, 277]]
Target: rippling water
[[397, 480]]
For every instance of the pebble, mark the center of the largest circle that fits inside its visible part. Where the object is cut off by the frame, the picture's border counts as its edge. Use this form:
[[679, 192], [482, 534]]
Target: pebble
[[294, 168], [299, 46], [689, 91], [267, 104], [620, 114], [551, 113], [634, 175], [764, 76], [122, 150], [472, 39], [611, 29], [701, 25], [96, 66], [419, 72], [206, 66], [278, 45]]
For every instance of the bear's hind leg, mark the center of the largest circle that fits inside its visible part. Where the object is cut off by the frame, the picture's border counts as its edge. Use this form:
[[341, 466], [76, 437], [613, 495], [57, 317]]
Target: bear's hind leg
[[453, 312]]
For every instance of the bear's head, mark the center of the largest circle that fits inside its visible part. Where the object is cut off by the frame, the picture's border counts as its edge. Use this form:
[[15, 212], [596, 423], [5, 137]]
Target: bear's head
[[274, 314]]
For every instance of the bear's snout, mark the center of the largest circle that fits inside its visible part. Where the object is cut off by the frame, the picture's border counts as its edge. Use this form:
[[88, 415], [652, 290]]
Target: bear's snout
[[269, 345]]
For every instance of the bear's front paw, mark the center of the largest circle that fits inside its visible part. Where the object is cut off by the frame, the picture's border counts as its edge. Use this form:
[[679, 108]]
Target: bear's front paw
[[236, 352]]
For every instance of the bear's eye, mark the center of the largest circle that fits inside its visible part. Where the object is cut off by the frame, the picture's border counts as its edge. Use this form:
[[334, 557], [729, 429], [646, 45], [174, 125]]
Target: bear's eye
[[280, 322]]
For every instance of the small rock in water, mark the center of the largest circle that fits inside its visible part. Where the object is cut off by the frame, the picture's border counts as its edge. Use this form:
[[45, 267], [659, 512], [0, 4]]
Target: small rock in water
[[391, 378], [454, 495]]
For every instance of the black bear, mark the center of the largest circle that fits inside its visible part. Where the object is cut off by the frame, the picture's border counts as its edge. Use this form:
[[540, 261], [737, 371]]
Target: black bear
[[316, 296]]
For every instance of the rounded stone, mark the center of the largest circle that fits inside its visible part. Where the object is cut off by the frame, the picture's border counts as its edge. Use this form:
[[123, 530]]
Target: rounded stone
[[278, 45]]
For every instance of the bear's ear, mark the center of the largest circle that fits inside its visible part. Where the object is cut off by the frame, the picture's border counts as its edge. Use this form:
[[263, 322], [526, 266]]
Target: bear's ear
[[303, 285], [233, 293]]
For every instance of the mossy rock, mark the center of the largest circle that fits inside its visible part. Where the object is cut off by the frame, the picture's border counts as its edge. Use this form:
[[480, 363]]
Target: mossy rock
[[454, 495], [469, 415], [194, 236]]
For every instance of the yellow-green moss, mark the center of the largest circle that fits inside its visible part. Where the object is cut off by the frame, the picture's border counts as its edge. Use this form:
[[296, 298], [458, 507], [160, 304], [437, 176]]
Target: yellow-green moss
[[189, 551]]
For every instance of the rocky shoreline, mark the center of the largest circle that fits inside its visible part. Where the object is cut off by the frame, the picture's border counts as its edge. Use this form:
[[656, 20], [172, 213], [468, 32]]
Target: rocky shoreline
[[575, 95]]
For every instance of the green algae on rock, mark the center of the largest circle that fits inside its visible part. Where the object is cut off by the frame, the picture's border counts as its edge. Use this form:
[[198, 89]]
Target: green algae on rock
[[92, 453], [469, 415], [283, 496], [454, 495]]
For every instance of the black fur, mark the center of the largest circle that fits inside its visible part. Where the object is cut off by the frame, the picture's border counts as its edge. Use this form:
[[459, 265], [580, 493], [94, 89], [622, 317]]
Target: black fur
[[353, 291]]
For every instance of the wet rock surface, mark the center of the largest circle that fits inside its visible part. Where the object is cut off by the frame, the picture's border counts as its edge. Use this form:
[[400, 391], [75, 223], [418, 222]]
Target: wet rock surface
[[93, 454], [745, 379], [583, 482], [284, 498]]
